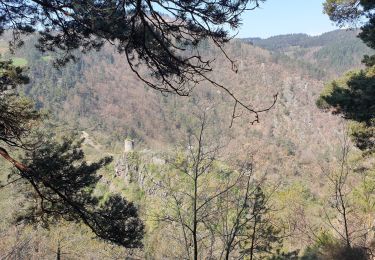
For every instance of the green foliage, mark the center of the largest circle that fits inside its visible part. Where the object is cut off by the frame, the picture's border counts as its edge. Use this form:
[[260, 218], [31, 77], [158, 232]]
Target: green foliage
[[47, 58], [280, 255], [59, 184], [348, 12], [17, 113], [363, 193], [334, 52], [56, 180], [260, 236], [20, 62], [11, 76], [355, 100], [353, 96], [329, 248], [340, 54], [76, 96], [341, 252], [313, 252]]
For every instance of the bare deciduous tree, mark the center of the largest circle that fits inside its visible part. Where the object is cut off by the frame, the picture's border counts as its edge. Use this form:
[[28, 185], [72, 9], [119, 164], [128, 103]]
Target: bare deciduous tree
[[216, 207]]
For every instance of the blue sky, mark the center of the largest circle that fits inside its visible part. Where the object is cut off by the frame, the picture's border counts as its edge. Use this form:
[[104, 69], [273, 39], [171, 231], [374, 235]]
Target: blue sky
[[276, 17]]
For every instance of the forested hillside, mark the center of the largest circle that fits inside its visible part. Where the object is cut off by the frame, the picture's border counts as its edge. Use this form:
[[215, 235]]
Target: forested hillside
[[292, 147], [99, 92], [334, 52]]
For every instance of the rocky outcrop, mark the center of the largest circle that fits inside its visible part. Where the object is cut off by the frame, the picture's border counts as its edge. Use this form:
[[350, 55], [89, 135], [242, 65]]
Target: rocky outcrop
[[139, 167]]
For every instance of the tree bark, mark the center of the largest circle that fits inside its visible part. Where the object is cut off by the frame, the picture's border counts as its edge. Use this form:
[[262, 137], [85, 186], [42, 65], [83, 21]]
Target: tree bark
[[20, 166]]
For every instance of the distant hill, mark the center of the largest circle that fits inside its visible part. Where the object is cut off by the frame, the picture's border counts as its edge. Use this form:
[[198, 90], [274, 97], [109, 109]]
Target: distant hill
[[335, 52], [283, 42]]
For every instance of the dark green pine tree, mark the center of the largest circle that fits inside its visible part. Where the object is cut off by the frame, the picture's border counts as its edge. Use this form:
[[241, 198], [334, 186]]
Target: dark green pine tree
[[353, 96], [59, 183], [54, 177], [260, 236]]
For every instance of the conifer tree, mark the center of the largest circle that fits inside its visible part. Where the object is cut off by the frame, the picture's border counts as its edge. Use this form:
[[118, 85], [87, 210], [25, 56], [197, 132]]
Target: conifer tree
[[353, 96]]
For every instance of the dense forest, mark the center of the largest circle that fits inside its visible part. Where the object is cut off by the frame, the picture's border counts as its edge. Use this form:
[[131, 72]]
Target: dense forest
[[124, 170], [337, 51], [292, 151]]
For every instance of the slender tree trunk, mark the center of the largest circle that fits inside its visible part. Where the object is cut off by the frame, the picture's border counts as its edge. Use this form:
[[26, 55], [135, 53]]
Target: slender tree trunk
[[58, 253], [227, 254], [195, 197], [255, 212], [344, 216], [195, 241], [341, 182], [252, 242], [237, 224]]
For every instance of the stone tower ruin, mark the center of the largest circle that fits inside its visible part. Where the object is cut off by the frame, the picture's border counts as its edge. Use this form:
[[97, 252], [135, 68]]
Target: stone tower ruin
[[128, 146]]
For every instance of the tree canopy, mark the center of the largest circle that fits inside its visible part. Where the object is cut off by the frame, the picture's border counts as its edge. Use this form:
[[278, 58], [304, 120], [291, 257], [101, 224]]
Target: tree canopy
[[353, 96], [17, 114]]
